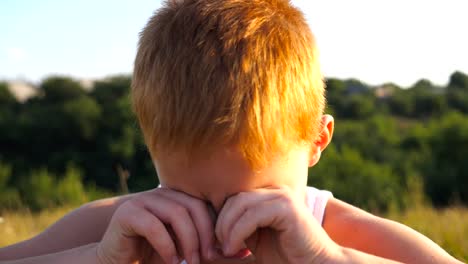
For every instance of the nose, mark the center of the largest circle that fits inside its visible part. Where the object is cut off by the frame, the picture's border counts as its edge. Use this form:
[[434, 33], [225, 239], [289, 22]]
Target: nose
[[215, 206]]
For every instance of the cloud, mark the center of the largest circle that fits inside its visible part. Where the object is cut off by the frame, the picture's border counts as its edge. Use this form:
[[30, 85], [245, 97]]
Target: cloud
[[16, 54]]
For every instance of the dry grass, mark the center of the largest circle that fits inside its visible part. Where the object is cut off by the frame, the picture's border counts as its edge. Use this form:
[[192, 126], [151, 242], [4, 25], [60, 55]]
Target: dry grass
[[448, 227], [21, 225]]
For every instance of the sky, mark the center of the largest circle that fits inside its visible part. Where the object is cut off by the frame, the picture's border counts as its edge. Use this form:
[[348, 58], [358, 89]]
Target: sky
[[399, 41]]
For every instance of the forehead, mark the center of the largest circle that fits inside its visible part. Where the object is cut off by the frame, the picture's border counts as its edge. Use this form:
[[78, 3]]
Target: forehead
[[224, 173], [210, 178]]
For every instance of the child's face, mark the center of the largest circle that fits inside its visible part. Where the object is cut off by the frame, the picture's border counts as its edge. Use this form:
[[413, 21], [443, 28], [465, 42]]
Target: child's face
[[216, 178], [226, 173]]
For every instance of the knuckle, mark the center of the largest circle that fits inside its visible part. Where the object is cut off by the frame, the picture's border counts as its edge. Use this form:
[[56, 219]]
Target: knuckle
[[164, 190], [227, 203], [179, 210], [127, 221], [242, 197], [125, 211], [154, 230], [196, 204], [284, 209], [249, 214], [286, 200], [137, 201], [123, 219]]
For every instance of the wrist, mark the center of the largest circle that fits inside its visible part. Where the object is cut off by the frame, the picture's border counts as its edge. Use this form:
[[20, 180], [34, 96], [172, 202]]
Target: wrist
[[336, 256], [332, 254], [99, 255], [349, 255], [90, 254]]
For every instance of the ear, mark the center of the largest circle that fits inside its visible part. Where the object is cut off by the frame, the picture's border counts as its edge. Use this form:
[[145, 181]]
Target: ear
[[325, 136]]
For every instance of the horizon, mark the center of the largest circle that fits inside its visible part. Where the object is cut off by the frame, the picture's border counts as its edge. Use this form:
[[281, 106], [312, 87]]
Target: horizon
[[377, 43]]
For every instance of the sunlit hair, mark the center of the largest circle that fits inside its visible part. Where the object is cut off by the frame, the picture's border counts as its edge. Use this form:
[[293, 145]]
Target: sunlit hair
[[218, 73]]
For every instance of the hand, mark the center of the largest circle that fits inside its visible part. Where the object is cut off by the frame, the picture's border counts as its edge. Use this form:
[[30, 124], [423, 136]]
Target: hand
[[275, 225], [159, 224]]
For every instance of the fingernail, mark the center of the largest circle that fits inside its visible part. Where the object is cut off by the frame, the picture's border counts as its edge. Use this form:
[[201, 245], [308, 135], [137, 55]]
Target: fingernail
[[226, 249], [175, 260], [195, 258], [209, 254]]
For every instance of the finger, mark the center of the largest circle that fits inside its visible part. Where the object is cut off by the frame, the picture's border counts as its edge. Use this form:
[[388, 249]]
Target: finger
[[236, 206], [178, 217], [199, 212], [143, 223], [272, 214], [220, 219]]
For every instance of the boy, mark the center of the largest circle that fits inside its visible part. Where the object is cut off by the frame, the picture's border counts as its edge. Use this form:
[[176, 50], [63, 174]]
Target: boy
[[230, 98]]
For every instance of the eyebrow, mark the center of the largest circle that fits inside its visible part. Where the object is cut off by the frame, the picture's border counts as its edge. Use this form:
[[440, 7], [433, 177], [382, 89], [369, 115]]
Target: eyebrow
[[204, 198]]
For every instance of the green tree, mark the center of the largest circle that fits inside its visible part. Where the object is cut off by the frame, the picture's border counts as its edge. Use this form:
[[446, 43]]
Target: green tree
[[356, 180], [446, 172], [335, 90], [401, 103], [118, 132], [8, 111], [61, 124], [457, 92], [57, 89], [83, 116], [422, 100], [359, 106], [376, 138], [458, 81], [7, 99]]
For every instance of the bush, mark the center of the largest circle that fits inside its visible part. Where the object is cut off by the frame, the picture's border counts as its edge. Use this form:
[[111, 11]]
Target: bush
[[70, 190], [9, 198], [42, 190], [38, 190]]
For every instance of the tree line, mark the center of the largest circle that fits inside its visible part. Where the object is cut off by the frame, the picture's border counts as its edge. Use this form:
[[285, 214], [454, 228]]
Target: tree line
[[68, 144]]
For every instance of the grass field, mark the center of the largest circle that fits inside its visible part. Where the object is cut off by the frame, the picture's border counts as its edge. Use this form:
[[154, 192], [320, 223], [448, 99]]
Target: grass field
[[447, 227]]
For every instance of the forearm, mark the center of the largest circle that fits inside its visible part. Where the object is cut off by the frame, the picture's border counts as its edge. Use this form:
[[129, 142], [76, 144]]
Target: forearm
[[83, 254], [392, 240], [82, 226], [351, 227]]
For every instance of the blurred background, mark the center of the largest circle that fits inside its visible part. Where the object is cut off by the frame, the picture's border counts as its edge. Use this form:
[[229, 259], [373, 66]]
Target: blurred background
[[397, 85]]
